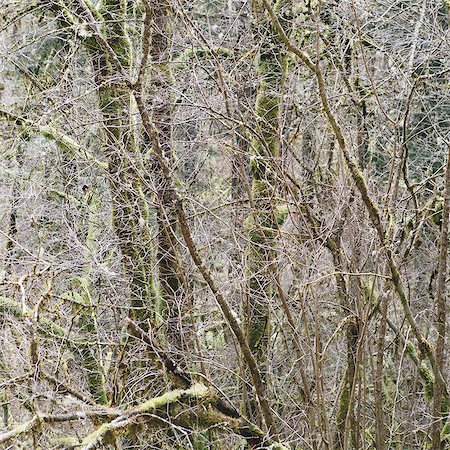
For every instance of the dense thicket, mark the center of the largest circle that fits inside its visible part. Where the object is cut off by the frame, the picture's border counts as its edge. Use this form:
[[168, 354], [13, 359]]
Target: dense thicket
[[224, 225]]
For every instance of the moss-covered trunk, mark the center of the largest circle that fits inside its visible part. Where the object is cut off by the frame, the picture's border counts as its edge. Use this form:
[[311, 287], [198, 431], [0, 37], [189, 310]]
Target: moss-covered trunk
[[88, 321], [84, 299], [130, 206], [262, 223]]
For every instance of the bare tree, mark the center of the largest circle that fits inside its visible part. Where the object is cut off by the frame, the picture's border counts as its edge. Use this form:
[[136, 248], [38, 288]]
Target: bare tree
[[224, 224]]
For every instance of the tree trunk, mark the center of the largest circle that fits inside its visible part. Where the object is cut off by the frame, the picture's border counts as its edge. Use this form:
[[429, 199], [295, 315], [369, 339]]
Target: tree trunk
[[170, 270], [263, 221]]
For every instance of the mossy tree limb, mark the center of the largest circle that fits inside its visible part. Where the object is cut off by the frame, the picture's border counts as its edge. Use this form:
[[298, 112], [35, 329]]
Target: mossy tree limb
[[88, 321], [153, 406], [78, 345], [184, 407], [205, 272]]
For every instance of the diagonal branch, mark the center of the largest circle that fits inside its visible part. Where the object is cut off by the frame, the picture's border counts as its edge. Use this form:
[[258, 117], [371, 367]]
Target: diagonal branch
[[205, 272], [361, 184], [182, 378]]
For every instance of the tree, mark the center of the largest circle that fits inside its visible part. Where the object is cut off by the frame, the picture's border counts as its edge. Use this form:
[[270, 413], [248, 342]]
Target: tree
[[224, 225]]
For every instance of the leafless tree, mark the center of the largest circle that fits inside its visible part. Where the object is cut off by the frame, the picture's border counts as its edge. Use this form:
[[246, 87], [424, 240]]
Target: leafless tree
[[224, 225]]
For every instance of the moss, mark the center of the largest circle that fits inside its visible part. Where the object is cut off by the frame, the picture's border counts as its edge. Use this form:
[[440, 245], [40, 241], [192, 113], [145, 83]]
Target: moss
[[445, 405], [263, 179], [110, 105], [428, 379], [258, 332], [389, 390], [410, 349], [257, 165], [95, 12], [344, 404], [74, 297], [114, 15], [122, 48], [251, 229], [65, 442], [261, 225], [197, 391], [47, 327], [77, 345], [445, 433], [202, 52], [5, 407], [436, 217], [281, 213], [94, 376], [68, 145], [267, 109]]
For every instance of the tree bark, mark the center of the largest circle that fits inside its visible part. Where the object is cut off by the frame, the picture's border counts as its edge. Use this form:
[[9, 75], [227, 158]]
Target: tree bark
[[263, 221]]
